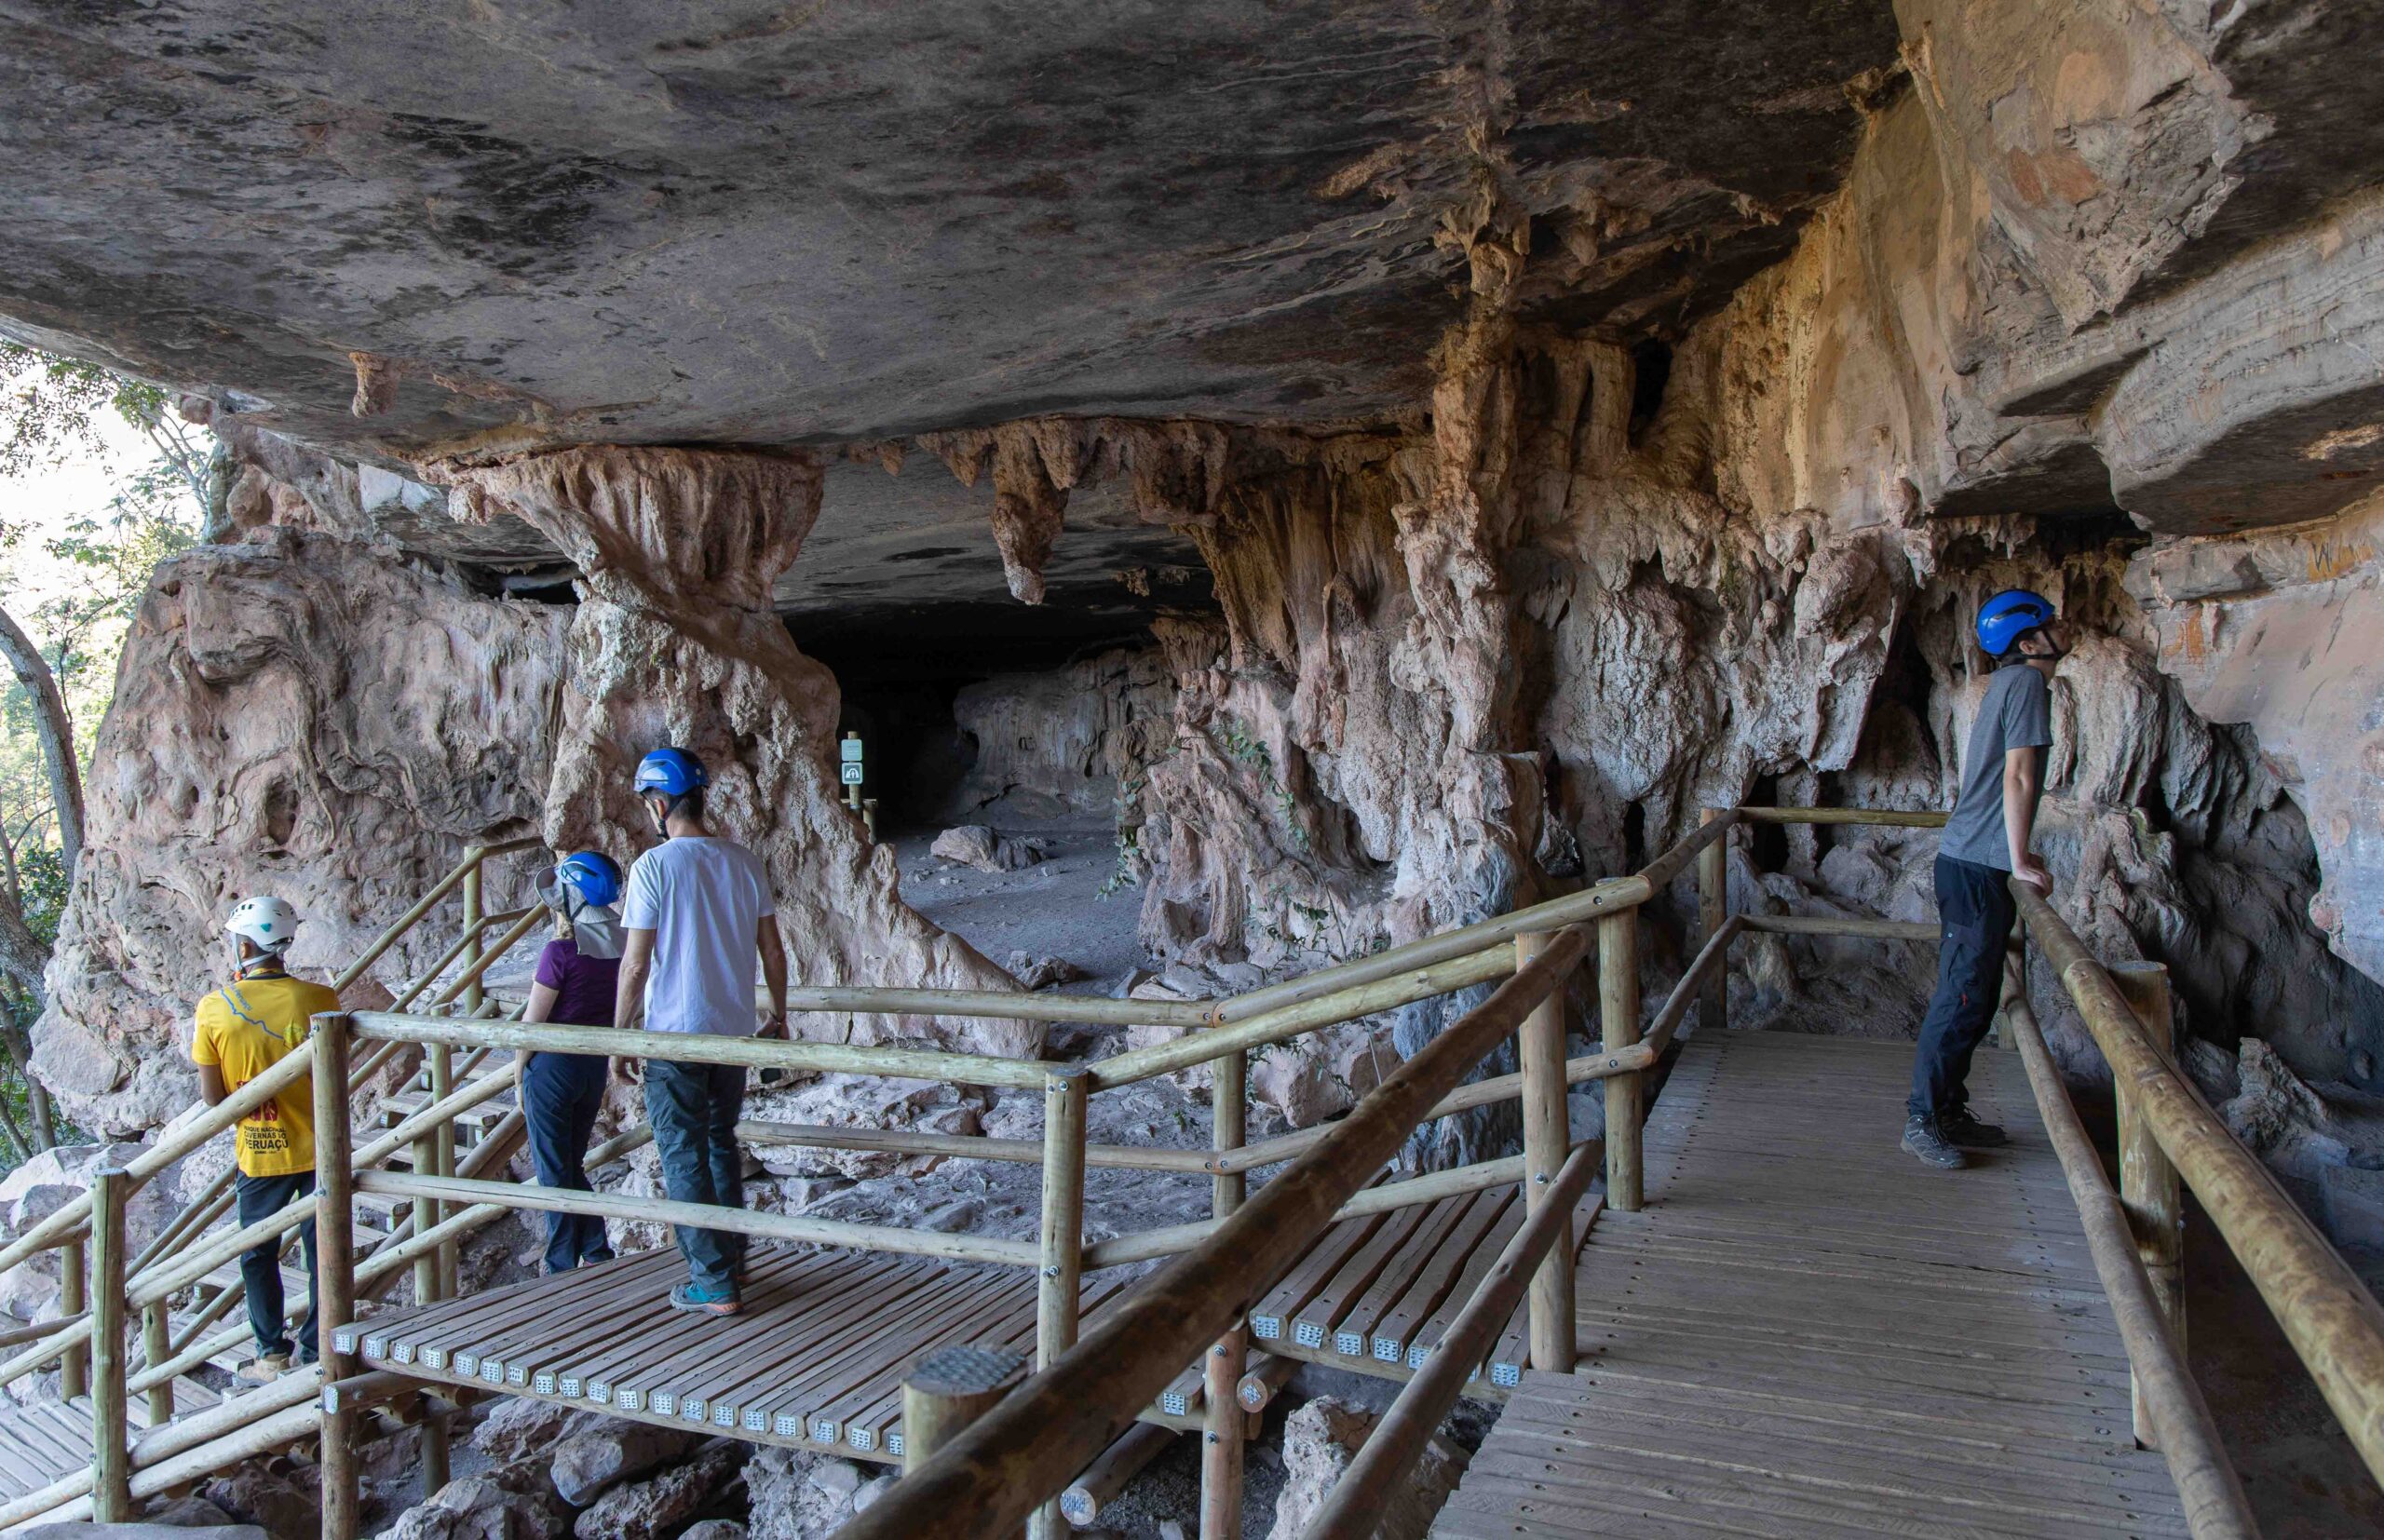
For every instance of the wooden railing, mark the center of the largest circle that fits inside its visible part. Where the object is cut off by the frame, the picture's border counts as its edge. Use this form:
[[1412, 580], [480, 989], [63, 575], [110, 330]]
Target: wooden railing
[[106, 1287], [1010, 1467]]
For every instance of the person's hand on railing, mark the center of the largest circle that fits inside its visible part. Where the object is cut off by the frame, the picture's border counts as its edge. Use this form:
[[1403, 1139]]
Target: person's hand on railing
[[2032, 871], [626, 1071]]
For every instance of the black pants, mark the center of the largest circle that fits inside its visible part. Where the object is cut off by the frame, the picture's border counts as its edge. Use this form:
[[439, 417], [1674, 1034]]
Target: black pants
[[561, 1093], [257, 1198], [1974, 913]]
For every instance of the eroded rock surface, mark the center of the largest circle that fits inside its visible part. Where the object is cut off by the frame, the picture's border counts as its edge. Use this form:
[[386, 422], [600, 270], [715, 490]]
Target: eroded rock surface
[[297, 714]]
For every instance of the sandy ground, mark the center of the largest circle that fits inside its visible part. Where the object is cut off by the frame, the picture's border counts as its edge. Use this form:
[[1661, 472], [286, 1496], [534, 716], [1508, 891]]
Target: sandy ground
[[1052, 909]]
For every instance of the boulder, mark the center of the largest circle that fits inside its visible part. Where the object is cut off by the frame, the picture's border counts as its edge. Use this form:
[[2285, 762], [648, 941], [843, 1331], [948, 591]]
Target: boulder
[[520, 1428], [153, 1529], [647, 1510], [714, 1528], [279, 1495], [587, 1463], [978, 845], [1321, 1439], [799, 1496], [1034, 972], [862, 1102], [2354, 1205], [510, 1502]]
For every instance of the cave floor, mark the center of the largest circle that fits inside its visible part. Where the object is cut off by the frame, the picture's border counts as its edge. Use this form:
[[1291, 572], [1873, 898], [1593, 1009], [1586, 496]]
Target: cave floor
[[1052, 909]]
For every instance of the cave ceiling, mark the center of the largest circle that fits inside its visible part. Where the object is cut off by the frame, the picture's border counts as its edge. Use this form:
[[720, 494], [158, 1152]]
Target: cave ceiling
[[812, 226]]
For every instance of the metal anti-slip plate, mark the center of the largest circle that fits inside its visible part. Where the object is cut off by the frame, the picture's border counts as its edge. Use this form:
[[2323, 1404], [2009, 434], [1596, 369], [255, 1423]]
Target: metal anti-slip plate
[[402, 1353], [1386, 1349], [894, 1445], [824, 1431], [1308, 1335], [1267, 1327], [861, 1438], [787, 1425], [1349, 1344]]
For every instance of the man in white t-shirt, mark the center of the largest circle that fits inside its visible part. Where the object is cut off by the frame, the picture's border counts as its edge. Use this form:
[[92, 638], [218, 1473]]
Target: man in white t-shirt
[[697, 913]]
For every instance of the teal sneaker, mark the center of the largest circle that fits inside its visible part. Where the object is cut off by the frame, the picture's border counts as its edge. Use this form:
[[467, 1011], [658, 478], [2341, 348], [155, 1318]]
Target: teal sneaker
[[702, 1301]]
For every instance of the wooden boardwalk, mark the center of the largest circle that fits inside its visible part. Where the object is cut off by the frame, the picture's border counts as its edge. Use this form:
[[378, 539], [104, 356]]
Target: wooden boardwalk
[[41, 1441], [816, 1358], [1807, 1332]]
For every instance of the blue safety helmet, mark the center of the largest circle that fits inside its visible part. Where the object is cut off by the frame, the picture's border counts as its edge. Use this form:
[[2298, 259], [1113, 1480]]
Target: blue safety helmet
[[590, 877], [2003, 619], [671, 773]]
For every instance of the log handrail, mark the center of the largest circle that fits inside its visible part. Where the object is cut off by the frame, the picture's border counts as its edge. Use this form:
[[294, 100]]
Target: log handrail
[[2188, 1435], [2335, 1325], [1029, 1447]]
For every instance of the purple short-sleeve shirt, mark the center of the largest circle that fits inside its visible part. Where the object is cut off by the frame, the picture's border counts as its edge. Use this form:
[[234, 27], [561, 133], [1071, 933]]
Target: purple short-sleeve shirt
[[582, 986]]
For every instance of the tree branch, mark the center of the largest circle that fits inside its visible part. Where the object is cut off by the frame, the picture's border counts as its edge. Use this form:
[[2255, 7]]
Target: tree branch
[[57, 733]]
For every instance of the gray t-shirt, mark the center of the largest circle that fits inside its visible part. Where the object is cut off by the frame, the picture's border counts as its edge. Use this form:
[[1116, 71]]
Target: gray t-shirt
[[2017, 713], [702, 898]]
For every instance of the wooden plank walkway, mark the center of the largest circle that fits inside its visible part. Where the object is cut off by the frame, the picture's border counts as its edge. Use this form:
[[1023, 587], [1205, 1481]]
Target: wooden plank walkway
[[1807, 1332], [816, 1358], [41, 1441]]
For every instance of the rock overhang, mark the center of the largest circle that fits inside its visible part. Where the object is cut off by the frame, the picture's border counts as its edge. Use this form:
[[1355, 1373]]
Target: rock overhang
[[743, 223]]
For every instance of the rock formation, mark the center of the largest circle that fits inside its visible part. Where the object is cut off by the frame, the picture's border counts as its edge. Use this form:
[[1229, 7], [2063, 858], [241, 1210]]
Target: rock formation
[[299, 715], [675, 641]]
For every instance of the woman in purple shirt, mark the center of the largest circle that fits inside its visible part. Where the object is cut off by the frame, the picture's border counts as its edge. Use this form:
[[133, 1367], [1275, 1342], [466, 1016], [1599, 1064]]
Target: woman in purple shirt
[[560, 1092]]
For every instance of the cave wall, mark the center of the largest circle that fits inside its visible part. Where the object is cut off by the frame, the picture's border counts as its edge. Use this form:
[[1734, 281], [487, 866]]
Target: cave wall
[[296, 714], [1063, 742]]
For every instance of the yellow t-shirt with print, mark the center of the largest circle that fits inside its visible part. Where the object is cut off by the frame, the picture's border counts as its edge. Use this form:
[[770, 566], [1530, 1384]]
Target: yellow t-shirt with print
[[243, 1029]]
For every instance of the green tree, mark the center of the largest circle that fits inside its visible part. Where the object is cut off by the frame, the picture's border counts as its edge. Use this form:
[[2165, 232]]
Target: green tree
[[51, 409]]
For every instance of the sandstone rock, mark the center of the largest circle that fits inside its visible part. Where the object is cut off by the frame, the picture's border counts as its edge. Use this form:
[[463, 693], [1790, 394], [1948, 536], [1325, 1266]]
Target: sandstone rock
[[588, 1462], [277, 1494], [860, 1101], [714, 1528], [520, 1428], [299, 714], [1066, 741], [1319, 1439], [2352, 1200], [675, 641], [649, 1509], [153, 1529], [975, 845], [50, 1179], [1039, 973], [186, 1513], [799, 1496], [508, 1502]]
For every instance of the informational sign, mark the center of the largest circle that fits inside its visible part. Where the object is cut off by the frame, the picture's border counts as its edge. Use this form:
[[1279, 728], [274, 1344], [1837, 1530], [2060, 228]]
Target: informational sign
[[852, 772], [848, 749]]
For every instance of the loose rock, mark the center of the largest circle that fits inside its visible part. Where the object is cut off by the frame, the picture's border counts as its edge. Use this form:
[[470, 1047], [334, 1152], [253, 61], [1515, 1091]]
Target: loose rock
[[1321, 1437]]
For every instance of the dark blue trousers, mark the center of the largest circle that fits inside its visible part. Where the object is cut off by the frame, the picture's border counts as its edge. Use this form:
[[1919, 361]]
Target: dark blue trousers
[[1974, 916], [693, 1110], [256, 1197], [561, 1093]]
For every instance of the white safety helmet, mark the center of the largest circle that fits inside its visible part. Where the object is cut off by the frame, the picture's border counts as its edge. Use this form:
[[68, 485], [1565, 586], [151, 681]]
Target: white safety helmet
[[271, 923]]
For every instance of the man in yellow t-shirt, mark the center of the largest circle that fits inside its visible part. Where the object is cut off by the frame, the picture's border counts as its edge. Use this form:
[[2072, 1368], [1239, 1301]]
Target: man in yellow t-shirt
[[241, 1031]]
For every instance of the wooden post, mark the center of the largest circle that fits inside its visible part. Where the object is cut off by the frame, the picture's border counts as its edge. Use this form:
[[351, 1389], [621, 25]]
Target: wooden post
[[947, 1390], [156, 1346], [427, 1286], [2150, 1189], [1221, 1414], [1547, 1137], [111, 1445], [334, 1267], [2014, 991], [1618, 1026], [442, 1154], [73, 1365], [1712, 907], [1061, 1241]]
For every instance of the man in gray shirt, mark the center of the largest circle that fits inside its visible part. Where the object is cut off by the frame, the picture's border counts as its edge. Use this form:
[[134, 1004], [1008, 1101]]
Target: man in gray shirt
[[1985, 848]]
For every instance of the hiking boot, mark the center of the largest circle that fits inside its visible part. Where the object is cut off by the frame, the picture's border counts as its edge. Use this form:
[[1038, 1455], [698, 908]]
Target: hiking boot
[[1921, 1138], [702, 1302], [1964, 1132], [265, 1368]]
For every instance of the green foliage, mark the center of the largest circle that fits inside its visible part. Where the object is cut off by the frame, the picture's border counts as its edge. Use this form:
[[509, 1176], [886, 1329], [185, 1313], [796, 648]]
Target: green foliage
[[49, 406], [93, 564]]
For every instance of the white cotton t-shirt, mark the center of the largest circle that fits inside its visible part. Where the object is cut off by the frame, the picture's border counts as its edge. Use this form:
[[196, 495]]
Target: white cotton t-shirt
[[702, 898]]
